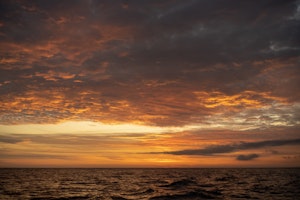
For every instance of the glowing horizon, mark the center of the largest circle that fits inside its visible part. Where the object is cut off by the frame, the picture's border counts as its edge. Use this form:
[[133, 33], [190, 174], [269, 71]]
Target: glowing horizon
[[88, 127]]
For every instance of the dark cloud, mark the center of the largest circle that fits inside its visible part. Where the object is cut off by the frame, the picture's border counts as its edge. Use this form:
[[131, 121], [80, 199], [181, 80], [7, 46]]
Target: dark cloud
[[10, 139], [247, 157], [220, 149], [123, 61], [33, 156]]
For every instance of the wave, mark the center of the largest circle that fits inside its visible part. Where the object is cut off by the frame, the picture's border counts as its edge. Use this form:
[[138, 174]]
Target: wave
[[189, 195], [181, 183], [148, 191], [118, 198], [62, 198]]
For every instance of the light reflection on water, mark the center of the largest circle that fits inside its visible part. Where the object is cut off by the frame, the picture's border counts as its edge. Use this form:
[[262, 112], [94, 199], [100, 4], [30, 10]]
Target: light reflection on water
[[153, 184]]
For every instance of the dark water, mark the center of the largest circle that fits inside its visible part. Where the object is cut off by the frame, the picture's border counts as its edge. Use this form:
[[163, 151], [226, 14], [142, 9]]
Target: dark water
[[152, 184]]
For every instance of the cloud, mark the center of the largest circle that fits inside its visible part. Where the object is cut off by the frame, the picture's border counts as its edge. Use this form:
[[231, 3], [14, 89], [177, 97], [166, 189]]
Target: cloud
[[157, 63], [247, 157], [34, 156], [274, 152], [77, 140], [10, 139], [291, 157], [220, 149]]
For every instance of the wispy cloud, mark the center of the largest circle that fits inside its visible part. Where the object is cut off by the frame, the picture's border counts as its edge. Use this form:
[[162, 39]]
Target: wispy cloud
[[220, 149], [34, 156], [10, 139], [247, 157]]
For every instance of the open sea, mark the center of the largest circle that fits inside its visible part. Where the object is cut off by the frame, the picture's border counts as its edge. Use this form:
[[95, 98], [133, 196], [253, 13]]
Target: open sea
[[152, 184]]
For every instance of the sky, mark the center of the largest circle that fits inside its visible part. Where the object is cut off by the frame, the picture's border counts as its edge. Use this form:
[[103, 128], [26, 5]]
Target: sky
[[157, 83]]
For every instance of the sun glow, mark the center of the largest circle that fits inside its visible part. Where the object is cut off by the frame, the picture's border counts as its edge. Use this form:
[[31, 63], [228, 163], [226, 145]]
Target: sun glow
[[88, 127]]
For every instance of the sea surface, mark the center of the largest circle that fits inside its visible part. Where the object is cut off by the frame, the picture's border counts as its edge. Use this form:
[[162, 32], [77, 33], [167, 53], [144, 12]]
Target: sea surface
[[152, 184]]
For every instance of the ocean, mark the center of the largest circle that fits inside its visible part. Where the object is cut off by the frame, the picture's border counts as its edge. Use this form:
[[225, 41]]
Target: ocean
[[150, 184]]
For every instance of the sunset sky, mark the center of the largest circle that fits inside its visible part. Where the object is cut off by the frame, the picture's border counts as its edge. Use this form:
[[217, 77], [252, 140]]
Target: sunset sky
[[157, 83]]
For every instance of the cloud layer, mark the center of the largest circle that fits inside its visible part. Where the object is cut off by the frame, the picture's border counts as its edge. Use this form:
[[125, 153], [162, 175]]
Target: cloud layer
[[152, 62], [220, 149]]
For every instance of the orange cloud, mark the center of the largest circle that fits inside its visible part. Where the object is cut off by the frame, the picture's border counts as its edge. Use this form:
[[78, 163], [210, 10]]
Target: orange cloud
[[247, 99]]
